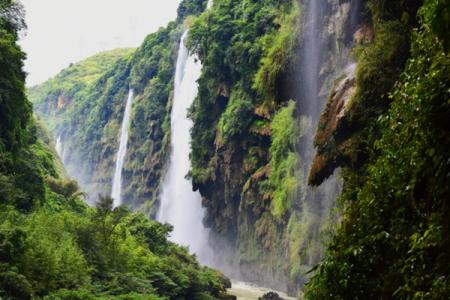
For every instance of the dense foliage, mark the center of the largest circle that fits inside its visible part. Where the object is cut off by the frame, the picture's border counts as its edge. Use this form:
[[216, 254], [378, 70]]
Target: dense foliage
[[393, 240], [14, 114], [242, 169], [72, 252], [56, 95], [283, 162], [52, 246]]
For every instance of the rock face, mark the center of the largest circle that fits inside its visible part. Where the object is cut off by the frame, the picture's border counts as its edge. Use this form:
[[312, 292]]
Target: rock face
[[336, 145], [328, 139], [233, 172]]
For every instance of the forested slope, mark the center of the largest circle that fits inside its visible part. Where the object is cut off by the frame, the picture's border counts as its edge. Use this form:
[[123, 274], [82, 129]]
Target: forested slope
[[52, 245], [84, 107], [393, 241]]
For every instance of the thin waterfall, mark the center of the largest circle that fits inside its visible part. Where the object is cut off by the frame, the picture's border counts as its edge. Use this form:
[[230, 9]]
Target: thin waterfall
[[322, 61], [116, 192], [311, 54], [180, 205], [64, 155], [59, 147]]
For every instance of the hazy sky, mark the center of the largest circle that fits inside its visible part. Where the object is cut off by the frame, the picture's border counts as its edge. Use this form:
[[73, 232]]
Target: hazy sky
[[64, 31]]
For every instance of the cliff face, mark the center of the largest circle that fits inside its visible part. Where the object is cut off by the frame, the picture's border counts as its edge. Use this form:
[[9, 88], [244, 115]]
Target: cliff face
[[334, 118], [391, 146], [247, 133], [382, 43], [84, 105]]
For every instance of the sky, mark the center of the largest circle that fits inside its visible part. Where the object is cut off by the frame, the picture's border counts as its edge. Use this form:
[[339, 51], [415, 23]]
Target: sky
[[61, 32]]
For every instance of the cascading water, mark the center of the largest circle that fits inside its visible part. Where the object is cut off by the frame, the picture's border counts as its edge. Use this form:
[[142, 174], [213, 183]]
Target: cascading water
[[180, 205], [325, 55], [116, 192], [59, 147]]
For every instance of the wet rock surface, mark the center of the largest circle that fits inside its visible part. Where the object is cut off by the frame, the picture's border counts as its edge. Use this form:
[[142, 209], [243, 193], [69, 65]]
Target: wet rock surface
[[332, 124], [271, 296]]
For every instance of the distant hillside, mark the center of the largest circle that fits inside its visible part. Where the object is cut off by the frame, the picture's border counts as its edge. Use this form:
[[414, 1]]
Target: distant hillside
[[83, 108], [73, 79]]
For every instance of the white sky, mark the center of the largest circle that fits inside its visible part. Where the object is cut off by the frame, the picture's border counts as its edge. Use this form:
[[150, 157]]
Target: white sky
[[64, 31]]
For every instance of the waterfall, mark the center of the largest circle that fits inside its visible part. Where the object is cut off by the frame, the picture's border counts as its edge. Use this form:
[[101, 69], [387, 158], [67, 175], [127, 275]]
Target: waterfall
[[116, 192], [59, 147], [180, 205], [64, 155], [325, 54], [326, 24]]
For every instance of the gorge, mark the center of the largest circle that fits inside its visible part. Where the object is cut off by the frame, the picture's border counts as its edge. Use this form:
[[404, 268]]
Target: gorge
[[297, 145]]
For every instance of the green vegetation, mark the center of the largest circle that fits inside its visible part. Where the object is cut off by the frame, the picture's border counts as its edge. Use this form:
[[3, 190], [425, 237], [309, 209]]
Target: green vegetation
[[84, 106], [76, 78], [53, 246], [65, 102], [16, 112], [388, 235], [245, 135], [73, 252], [393, 239], [247, 49], [279, 53], [283, 177], [192, 7], [236, 118], [244, 158], [232, 40]]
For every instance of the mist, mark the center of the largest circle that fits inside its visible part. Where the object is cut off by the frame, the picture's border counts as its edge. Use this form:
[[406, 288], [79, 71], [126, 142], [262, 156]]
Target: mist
[[61, 32]]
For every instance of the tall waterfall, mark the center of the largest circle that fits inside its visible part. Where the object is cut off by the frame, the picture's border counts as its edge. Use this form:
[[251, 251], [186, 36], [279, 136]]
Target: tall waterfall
[[325, 53], [116, 192], [180, 205]]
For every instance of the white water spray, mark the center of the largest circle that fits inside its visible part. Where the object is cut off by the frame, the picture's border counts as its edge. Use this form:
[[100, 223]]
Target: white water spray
[[116, 192], [59, 147], [180, 206]]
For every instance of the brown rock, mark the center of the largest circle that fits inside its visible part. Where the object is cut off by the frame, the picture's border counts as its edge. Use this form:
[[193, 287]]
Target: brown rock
[[364, 35], [331, 122]]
